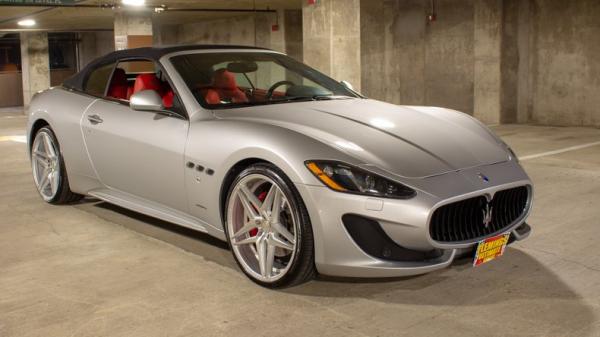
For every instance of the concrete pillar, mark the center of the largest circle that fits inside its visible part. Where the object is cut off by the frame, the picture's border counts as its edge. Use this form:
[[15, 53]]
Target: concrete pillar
[[34, 64], [331, 37], [262, 29], [133, 29], [511, 52], [278, 36], [293, 33], [487, 84], [373, 49], [93, 45], [524, 60]]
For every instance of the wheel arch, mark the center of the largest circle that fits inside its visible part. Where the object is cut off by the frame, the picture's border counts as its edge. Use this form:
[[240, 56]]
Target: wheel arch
[[35, 127], [230, 177]]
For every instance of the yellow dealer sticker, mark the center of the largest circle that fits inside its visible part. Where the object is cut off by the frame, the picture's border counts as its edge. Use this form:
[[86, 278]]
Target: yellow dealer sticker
[[490, 249]]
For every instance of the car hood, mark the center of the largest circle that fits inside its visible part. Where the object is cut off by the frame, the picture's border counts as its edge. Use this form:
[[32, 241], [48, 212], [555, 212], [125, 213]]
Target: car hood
[[408, 141]]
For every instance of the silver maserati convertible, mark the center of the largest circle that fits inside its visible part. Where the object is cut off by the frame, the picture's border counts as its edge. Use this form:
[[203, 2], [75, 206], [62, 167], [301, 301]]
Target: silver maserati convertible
[[298, 172]]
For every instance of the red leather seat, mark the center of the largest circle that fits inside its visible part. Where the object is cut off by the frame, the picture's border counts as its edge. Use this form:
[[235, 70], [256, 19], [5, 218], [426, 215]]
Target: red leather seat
[[151, 82], [224, 88], [118, 85]]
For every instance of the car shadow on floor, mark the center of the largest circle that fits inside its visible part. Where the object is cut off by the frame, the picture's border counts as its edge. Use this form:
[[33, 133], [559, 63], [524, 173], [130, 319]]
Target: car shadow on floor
[[514, 274], [517, 284], [210, 248]]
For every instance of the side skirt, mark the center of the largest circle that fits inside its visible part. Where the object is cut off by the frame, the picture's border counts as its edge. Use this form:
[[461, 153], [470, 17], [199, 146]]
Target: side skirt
[[156, 211]]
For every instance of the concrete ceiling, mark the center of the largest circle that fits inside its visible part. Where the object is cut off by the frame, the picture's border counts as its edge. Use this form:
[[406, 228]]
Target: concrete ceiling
[[61, 18]]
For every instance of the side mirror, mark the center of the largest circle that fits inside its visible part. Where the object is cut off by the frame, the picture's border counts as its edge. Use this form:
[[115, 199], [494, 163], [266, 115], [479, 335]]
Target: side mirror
[[146, 100], [347, 85]]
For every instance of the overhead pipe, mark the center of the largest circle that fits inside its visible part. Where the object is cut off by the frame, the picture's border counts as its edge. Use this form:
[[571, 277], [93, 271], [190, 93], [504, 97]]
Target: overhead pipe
[[165, 8], [156, 9], [54, 30]]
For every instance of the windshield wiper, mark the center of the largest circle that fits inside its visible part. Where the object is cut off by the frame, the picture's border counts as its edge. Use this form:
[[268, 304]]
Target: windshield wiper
[[283, 100], [311, 98]]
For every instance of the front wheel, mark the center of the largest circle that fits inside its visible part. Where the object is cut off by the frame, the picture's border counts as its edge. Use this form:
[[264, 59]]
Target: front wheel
[[268, 228]]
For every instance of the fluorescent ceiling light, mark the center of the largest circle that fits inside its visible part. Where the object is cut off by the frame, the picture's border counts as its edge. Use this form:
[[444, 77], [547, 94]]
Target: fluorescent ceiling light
[[26, 23], [133, 2]]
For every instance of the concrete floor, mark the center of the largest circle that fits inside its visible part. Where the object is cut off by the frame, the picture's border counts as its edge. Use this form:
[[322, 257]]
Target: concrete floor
[[97, 270]]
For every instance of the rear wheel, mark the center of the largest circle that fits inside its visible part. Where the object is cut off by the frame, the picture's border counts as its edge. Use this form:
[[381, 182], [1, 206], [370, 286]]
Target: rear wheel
[[48, 167], [268, 228]]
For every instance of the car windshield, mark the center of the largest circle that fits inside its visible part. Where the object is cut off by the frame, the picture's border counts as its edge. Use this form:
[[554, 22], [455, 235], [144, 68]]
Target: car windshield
[[220, 80]]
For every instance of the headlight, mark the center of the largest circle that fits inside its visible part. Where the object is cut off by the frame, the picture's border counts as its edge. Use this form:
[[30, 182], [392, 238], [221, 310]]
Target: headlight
[[349, 179]]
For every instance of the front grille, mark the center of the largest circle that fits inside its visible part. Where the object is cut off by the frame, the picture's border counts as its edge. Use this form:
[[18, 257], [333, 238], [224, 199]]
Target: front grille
[[465, 220]]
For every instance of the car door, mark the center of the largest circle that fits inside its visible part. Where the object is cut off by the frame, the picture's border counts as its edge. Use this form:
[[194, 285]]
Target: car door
[[140, 153]]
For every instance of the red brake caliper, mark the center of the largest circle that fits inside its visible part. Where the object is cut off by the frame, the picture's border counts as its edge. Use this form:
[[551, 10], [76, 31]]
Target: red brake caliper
[[260, 197]]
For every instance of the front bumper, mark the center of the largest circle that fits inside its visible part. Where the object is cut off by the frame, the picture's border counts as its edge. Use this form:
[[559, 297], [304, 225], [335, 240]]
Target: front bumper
[[405, 222]]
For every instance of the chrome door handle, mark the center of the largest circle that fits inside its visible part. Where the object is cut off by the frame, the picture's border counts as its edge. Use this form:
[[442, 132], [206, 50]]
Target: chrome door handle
[[95, 119]]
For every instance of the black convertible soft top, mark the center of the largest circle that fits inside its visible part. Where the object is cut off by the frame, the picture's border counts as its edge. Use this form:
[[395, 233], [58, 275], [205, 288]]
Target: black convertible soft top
[[77, 81]]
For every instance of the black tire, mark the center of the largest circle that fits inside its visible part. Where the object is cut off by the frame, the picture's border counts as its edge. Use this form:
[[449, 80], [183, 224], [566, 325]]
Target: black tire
[[303, 266], [63, 195]]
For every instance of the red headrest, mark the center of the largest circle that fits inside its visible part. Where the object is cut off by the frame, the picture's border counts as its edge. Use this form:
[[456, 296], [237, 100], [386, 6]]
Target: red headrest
[[223, 79], [147, 82]]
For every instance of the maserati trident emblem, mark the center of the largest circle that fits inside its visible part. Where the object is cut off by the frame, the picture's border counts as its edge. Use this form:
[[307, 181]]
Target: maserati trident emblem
[[487, 215]]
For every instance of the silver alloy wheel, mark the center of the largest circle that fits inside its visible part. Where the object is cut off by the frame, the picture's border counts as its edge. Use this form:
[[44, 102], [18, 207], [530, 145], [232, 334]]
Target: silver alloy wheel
[[45, 164], [263, 234]]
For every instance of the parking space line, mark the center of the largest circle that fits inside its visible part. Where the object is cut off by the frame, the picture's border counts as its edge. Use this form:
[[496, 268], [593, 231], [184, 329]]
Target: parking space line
[[16, 116], [18, 139], [566, 149]]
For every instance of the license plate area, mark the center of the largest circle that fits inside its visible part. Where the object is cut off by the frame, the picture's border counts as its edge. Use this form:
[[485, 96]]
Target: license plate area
[[490, 249]]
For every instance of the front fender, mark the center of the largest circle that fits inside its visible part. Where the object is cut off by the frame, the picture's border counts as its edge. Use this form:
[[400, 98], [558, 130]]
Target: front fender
[[219, 145]]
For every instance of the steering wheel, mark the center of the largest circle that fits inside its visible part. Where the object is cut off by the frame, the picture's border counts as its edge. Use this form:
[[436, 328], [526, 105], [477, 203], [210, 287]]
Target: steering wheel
[[269, 95]]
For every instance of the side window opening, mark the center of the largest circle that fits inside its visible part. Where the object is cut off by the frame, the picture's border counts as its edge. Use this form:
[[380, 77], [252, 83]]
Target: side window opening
[[96, 82], [133, 76]]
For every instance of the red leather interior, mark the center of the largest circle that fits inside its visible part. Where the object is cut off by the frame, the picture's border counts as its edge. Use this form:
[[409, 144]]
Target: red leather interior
[[212, 97], [118, 85], [224, 88], [147, 82], [224, 80], [168, 98], [151, 82]]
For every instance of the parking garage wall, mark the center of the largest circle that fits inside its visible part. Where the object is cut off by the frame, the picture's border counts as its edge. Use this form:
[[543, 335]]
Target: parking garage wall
[[248, 30], [535, 61], [407, 60], [93, 45], [237, 30], [564, 50]]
